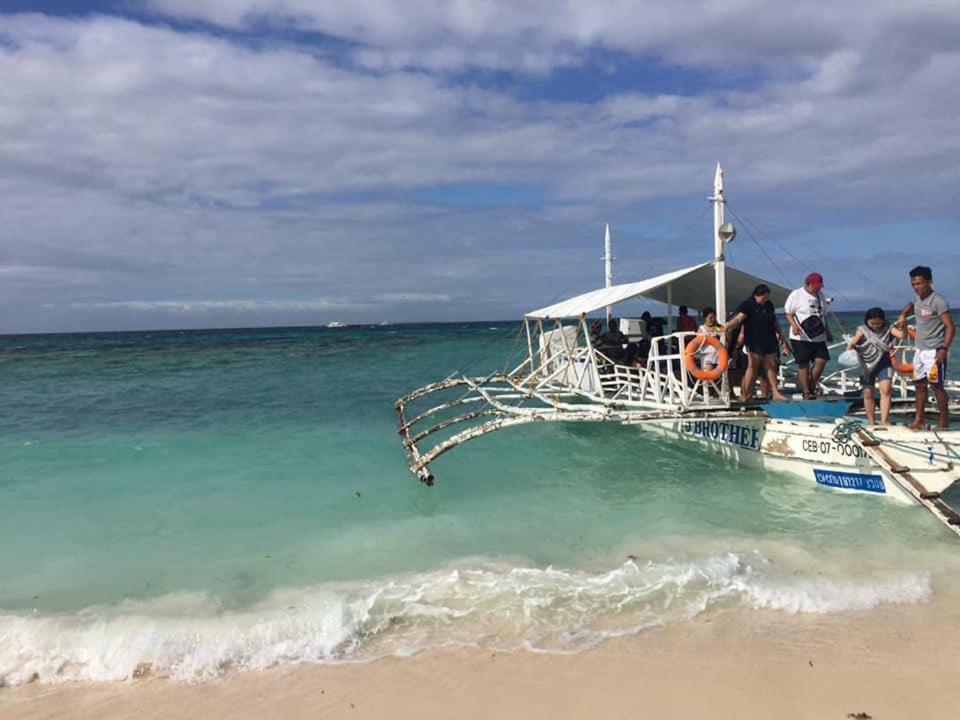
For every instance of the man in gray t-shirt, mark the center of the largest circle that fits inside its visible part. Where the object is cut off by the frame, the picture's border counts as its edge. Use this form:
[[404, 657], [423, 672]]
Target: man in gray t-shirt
[[931, 329], [935, 331]]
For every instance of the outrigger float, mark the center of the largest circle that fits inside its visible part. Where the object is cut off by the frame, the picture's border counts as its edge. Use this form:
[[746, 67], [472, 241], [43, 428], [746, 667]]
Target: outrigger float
[[565, 378]]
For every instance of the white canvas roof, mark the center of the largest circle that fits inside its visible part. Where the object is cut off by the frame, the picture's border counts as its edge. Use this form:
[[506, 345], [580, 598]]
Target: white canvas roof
[[692, 286]]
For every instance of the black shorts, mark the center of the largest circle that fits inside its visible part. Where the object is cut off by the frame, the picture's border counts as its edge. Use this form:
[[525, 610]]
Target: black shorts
[[804, 351], [762, 345]]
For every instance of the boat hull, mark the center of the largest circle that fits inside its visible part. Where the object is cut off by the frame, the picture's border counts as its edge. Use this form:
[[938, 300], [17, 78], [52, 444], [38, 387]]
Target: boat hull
[[810, 450]]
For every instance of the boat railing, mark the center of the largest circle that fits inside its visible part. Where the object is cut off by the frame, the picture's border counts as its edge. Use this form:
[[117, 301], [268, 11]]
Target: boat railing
[[846, 380], [567, 360]]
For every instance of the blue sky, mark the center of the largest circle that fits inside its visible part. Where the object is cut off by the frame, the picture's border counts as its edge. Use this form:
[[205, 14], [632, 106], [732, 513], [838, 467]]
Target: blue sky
[[200, 163]]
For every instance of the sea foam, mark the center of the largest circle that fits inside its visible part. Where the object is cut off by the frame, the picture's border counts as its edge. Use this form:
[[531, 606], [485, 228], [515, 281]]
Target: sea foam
[[193, 636]]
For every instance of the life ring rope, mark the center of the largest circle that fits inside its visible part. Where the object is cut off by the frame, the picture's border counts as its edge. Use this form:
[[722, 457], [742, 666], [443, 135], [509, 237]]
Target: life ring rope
[[904, 368], [723, 357]]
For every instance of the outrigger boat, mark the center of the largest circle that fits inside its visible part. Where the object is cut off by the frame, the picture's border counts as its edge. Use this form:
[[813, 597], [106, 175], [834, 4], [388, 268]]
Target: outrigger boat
[[564, 377]]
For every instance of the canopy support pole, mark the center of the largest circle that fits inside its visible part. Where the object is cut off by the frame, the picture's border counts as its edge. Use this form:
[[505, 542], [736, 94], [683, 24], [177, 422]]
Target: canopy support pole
[[669, 307]]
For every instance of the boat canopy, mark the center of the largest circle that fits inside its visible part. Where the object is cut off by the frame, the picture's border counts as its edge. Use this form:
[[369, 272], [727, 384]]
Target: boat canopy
[[691, 286]]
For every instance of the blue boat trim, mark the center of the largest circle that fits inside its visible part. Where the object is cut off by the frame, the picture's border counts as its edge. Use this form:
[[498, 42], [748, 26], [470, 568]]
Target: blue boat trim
[[850, 481], [808, 409]]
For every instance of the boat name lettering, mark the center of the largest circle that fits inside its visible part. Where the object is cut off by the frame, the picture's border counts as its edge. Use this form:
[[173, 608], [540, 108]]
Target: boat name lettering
[[724, 432], [849, 481], [825, 447]]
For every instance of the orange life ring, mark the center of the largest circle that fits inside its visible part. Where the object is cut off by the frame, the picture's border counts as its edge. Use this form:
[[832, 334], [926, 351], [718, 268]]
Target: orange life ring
[[904, 368], [723, 357]]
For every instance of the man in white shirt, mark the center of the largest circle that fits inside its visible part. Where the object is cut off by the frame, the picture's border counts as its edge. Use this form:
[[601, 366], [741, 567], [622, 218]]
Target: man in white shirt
[[809, 334]]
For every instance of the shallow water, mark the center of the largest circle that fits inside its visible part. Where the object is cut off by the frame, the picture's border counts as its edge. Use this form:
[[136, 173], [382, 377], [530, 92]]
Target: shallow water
[[195, 501]]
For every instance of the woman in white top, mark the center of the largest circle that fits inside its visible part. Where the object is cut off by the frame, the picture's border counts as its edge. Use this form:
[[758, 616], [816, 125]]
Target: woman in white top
[[710, 328]]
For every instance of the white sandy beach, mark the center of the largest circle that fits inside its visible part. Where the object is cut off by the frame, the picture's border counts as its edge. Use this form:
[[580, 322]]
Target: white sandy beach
[[895, 662]]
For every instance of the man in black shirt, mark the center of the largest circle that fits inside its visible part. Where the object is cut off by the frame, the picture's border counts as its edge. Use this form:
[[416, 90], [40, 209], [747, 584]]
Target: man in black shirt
[[762, 338]]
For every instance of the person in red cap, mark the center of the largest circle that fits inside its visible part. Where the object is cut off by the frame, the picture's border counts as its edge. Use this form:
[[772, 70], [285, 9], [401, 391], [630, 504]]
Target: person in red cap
[[809, 333]]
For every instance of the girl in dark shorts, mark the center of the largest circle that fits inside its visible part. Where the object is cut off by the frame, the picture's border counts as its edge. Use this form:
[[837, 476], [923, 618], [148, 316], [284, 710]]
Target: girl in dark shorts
[[762, 338], [873, 342]]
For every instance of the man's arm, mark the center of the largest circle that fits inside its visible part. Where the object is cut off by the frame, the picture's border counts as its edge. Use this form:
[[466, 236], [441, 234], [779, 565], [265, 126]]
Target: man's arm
[[902, 317], [947, 319], [781, 338], [789, 312], [792, 320]]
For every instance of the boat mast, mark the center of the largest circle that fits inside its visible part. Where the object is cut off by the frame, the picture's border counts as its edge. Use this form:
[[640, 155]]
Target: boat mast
[[608, 268], [719, 261]]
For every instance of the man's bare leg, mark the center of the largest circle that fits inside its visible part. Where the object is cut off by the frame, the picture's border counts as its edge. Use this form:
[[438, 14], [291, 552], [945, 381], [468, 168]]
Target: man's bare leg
[[943, 406], [920, 388], [803, 377], [818, 365]]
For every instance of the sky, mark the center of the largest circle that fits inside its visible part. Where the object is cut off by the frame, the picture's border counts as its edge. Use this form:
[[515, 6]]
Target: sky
[[239, 163]]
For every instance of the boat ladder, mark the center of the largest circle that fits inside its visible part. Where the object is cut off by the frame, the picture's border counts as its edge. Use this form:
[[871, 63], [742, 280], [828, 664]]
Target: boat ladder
[[901, 476]]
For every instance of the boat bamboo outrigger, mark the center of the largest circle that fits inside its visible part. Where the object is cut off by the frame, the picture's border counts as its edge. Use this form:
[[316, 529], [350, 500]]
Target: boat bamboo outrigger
[[564, 377]]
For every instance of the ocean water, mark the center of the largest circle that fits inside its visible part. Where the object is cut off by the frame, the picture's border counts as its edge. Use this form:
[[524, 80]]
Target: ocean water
[[188, 503]]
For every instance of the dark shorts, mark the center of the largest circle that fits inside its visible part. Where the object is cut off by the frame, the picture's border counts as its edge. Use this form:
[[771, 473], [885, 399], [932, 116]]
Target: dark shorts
[[883, 371], [804, 351], [762, 346]]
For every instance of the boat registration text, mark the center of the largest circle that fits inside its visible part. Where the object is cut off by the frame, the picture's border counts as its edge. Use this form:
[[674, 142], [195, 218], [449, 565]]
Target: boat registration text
[[849, 481], [724, 432]]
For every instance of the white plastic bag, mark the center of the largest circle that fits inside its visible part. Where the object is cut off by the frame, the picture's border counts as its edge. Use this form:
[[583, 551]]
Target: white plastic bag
[[849, 358]]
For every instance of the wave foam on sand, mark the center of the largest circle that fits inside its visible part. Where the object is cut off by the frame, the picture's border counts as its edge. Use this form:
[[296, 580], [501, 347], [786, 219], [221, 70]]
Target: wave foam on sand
[[195, 636]]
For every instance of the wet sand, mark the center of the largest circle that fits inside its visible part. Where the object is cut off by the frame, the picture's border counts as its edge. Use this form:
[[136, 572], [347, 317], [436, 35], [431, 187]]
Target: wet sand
[[895, 662]]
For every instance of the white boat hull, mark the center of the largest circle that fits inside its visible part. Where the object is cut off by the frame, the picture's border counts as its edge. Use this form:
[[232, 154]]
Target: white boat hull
[[809, 450]]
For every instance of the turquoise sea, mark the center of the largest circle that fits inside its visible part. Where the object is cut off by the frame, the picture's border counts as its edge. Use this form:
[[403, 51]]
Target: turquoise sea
[[191, 502]]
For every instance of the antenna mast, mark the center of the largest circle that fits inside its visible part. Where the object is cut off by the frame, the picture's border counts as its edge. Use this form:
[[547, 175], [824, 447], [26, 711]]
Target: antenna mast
[[719, 260], [608, 267]]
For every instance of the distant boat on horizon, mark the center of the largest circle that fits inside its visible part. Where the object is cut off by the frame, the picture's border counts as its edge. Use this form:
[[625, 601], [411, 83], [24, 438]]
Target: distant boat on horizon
[[336, 324]]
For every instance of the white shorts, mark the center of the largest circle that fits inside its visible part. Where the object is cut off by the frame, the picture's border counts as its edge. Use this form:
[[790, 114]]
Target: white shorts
[[926, 367]]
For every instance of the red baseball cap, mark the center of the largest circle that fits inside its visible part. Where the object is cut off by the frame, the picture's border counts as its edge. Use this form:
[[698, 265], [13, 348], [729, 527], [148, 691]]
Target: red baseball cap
[[814, 280]]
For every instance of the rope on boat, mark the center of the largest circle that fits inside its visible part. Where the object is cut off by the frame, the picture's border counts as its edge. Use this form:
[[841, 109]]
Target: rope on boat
[[843, 432], [460, 372], [836, 318], [950, 451], [846, 431], [759, 246], [900, 475], [677, 232]]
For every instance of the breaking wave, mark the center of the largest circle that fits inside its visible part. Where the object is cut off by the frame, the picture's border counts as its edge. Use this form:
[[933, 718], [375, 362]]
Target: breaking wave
[[193, 636]]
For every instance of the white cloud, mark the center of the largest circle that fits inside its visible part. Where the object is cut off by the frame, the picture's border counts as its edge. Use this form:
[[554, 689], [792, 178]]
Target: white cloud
[[537, 35], [206, 306], [142, 161], [413, 297]]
